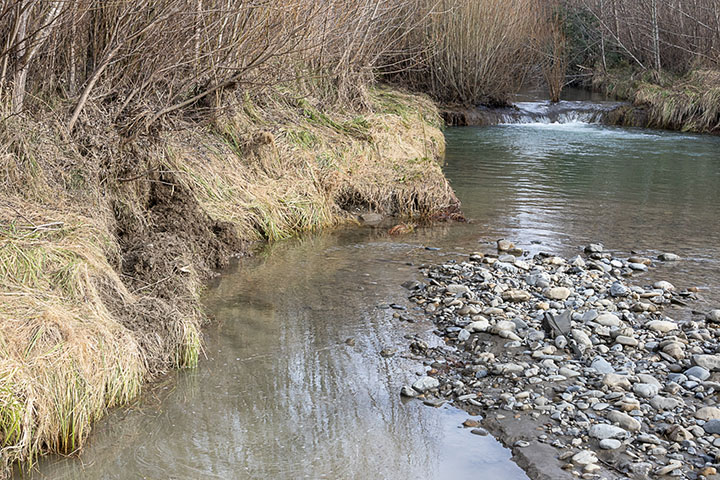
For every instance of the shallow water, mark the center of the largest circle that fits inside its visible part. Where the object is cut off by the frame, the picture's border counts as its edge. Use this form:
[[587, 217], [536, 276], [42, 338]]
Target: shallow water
[[281, 395]]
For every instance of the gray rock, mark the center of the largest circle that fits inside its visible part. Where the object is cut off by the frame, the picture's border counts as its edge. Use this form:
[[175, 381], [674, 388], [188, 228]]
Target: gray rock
[[557, 293], [585, 457], [589, 316], [669, 257], [610, 444], [698, 372], [616, 382], [608, 320], [371, 218], [409, 392], [602, 366], [713, 316], [708, 362], [456, 289], [463, 335], [712, 426], [516, 295], [602, 431], [426, 383], [664, 403], [594, 248], [708, 413], [625, 340], [645, 390], [617, 289], [505, 245], [662, 326], [624, 420]]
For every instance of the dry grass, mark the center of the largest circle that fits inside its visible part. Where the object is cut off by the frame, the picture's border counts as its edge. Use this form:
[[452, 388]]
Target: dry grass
[[86, 317], [690, 103]]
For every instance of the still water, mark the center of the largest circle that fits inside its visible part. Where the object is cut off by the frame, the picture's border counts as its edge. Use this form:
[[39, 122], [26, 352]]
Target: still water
[[281, 394]]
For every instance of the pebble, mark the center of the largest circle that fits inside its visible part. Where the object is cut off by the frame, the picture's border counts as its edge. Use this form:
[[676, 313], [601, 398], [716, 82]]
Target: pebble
[[602, 431], [669, 257], [585, 457], [610, 444], [426, 383]]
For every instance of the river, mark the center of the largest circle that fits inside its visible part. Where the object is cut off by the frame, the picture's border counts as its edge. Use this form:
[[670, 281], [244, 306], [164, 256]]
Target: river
[[292, 384]]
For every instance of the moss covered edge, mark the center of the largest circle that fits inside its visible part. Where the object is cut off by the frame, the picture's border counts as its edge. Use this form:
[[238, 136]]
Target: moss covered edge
[[105, 243]]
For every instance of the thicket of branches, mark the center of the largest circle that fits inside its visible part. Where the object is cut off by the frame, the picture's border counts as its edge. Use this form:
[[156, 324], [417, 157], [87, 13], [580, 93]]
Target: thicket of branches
[[143, 59], [674, 35]]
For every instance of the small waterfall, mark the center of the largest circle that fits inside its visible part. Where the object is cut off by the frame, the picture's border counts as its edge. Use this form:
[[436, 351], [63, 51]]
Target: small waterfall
[[560, 112], [538, 112]]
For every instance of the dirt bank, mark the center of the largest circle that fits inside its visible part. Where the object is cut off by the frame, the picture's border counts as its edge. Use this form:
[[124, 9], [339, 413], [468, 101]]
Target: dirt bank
[[105, 241]]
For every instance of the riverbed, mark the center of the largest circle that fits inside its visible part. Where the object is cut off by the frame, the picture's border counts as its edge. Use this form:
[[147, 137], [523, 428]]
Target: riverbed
[[293, 383]]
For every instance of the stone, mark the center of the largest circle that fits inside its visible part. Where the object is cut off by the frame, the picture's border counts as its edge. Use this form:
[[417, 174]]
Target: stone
[[581, 339], [557, 293], [712, 426], [516, 295], [664, 403], [594, 248], [409, 392], [426, 383], [479, 325], [625, 340], [602, 431], [480, 431], [456, 289], [707, 471], [662, 326], [698, 372], [617, 289], [676, 433], [505, 245], [371, 218], [470, 423], [463, 335], [610, 444], [669, 468], [585, 457], [675, 350], [663, 285], [669, 257], [616, 382], [708, 362], [713, 316], [602, 365], [645, 390], [708, 413], [608, 320], [624, 420]]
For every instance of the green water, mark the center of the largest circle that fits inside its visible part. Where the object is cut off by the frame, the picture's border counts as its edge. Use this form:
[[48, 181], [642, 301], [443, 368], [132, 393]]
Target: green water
[[279, 394]]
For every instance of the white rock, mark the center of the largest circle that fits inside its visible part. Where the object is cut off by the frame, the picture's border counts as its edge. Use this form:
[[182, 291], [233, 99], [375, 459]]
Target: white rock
[[663, 285], [426, 383], [585, 457], [662, 326], [608, 320]]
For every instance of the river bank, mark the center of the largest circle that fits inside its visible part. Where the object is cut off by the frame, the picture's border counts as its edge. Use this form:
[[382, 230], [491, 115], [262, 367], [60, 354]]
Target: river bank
[[590, 361], [106, 244]]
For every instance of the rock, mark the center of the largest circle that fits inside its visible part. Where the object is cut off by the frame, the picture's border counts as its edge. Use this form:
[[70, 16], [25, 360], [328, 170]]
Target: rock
[[370, 218], [594, 248], [516, 295], [617, 289], [712, 426], [713, 316], [470, 423], [708, 362], [505, 245], [581, 339], [645, 390], [663, 403], [616, 382], [409, 392], [624, 420], [463, 335], [602, 365], [669, 468], [662, 326], [557, 293], [640, 260], [480, 431], [669, 257], [426, 383], [676, 433], [481, 325], [585, 457], [456, 289], [602, 431], [589, 316], [610, 444], [625, 340], [675, 350], [663, 285], [698, 372], [608, 320], [708, 413], [707, 471]]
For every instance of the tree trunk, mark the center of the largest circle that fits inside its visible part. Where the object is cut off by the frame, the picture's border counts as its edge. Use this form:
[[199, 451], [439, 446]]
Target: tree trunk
[[655, 35]]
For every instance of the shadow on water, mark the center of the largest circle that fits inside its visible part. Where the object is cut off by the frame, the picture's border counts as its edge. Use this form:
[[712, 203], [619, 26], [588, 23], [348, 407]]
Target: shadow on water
[[281, 395]]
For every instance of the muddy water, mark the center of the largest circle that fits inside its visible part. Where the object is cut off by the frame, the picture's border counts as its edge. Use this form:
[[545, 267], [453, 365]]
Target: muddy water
[[282, 395]]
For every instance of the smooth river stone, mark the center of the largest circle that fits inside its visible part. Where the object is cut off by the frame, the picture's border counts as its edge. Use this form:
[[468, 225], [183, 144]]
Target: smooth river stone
[[558, 293], [662, 326], [608, 320], [602, 431], [426, 383], [708, 362]]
